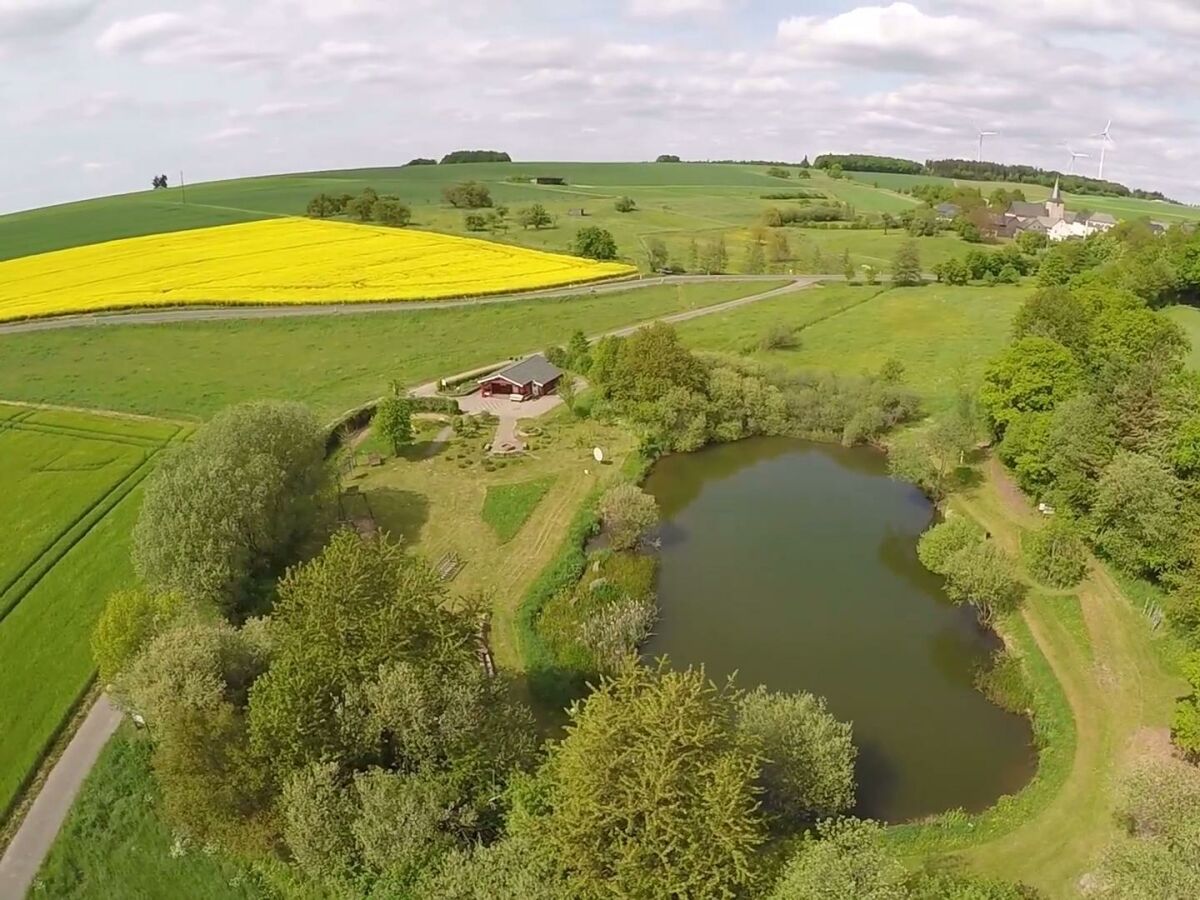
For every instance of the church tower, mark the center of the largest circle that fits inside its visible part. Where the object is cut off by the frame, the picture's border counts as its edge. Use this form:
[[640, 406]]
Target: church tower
[[1056, 210]]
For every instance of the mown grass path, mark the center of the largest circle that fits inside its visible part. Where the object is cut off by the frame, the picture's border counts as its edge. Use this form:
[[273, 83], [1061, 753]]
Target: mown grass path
[[1116, 686]]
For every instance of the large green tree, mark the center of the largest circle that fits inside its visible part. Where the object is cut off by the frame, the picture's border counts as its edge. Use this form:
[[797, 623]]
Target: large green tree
[[1135, 516], [1033, 375], [651, 793], [232, 505]]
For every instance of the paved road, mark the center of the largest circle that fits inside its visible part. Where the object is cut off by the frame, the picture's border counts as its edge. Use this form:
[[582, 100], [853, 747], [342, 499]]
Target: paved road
[[36, 835], [216, 313], [21, 861]]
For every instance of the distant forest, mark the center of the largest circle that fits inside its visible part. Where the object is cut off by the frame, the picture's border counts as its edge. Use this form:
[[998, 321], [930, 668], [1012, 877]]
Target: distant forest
[[473, 156], [970, 170]]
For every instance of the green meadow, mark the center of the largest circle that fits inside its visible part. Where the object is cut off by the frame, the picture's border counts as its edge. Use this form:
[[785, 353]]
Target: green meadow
[[71, 485], [333, 363], [943, 335]]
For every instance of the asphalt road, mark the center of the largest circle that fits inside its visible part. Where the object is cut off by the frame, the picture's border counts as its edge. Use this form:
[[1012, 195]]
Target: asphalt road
[[29, 846]]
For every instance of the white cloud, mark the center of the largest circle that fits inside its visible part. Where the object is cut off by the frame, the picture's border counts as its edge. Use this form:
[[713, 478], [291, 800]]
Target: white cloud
[[228, 133], [895, 37], [661, 9], [227, 87], [1130, 16], [37, 18], [143, 32]]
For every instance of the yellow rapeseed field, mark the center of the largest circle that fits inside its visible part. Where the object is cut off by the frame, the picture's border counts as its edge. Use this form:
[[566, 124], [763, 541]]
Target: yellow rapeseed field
[[279, 261]]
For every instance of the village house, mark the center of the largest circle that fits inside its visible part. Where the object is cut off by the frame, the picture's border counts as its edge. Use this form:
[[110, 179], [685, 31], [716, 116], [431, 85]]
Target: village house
[[534, 376], [1050, 218]]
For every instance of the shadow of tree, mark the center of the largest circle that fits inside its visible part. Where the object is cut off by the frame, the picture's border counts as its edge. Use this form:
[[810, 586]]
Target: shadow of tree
[[400, 513]]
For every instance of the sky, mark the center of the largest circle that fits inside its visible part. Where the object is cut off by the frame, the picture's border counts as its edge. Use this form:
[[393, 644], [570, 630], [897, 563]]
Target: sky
[[96, 96]]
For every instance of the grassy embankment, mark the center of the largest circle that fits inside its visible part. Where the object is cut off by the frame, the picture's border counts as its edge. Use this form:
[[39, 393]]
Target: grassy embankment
[[71, 482], [333, 363], [675, 202]]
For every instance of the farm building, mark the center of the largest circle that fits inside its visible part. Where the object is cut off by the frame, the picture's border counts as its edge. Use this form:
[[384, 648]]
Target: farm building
[[534, 376], [549, 179]]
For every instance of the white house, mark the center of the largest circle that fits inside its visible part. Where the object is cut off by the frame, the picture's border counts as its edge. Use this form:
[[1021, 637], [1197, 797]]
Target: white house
[[1062, 229]]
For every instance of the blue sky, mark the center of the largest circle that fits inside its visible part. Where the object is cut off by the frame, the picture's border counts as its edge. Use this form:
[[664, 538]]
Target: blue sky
[[97, 95]]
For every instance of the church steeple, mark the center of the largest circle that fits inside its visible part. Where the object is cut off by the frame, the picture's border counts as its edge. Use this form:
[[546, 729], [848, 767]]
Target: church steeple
[[1056, 210]]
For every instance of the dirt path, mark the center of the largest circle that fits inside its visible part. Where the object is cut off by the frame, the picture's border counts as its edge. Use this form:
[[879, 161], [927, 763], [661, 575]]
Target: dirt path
[[1116, 687], [29, 846]]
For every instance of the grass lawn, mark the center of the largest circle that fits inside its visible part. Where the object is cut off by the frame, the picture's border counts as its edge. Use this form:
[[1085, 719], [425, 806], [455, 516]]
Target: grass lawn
[[332, 363], [71, 482], [506, 507], [943, 335], [115, 844], [1188, 318], [444, 504]]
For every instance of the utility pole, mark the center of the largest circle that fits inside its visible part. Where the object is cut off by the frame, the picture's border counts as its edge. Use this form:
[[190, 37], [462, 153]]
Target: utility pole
[[182, 186]]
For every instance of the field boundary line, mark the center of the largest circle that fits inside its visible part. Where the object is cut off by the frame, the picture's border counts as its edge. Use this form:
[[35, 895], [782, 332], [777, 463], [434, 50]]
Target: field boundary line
[[83, 434], [109, 413], [76, 531]]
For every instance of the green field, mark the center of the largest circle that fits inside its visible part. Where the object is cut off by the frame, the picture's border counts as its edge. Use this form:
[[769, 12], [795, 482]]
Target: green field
[[1120, 207], [943, 335], [70, 482], [332, 363], [676, 202]]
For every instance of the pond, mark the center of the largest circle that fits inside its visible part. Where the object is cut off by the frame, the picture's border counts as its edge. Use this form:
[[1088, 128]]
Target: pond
[[794, 564]]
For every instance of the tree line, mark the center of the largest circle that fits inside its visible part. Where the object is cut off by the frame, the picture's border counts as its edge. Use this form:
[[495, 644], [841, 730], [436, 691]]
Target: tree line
[[1097, 414], [1076, 184], [972, 170], [366, 206]]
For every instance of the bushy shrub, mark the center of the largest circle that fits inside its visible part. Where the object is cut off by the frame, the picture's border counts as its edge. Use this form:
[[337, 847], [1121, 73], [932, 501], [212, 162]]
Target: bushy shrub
[[1055, 555], [628, 513], [943, 540], [467, 195], [779, 337], [808, 767], [614, 632], [130, 620], [983, 575]]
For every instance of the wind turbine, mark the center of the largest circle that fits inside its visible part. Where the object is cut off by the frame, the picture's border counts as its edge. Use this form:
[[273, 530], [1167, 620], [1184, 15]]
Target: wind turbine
[[1074, 156], [982, 135], [1106, 141]]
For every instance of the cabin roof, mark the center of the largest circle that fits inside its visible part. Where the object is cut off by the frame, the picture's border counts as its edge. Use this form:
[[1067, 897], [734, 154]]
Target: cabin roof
[[535, 369]]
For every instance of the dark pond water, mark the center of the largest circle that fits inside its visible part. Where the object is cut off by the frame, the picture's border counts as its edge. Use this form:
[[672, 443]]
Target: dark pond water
[[794, 564]]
